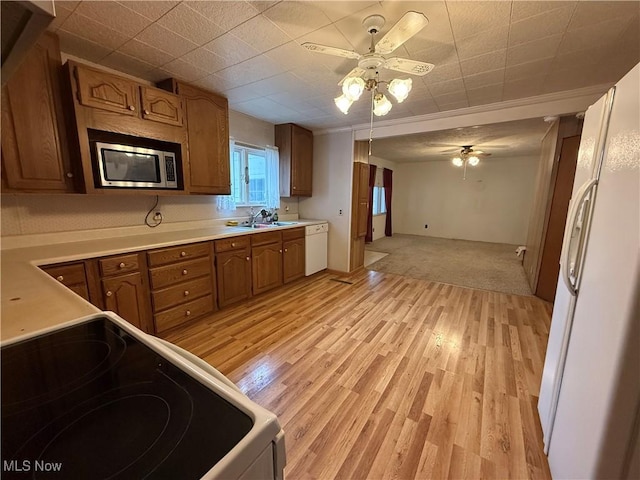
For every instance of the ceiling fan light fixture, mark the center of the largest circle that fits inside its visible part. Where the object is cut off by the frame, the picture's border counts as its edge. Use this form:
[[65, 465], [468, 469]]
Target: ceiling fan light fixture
[[353, 87], [381, 105], [400, 88], [457, 161], [473, 160], [343, 103]]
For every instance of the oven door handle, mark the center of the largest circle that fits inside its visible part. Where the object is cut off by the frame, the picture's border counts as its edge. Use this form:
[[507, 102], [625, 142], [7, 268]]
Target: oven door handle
[[190, 357]]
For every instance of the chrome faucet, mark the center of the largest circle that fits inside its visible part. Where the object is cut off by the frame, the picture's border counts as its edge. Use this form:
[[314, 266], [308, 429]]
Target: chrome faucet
[[253, 216]]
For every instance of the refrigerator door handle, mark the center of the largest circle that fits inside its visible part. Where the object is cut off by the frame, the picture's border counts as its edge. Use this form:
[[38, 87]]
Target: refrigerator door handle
[[572, 247]]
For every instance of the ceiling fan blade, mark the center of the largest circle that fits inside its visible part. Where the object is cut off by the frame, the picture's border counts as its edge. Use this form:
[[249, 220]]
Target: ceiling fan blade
[[338, 52], [410, 24], [408, 66], [356, 72]]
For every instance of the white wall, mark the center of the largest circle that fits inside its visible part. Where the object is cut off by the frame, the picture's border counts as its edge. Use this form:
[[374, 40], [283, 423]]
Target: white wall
[[23, 214], [491, 205], [332, 180], [379, 221]]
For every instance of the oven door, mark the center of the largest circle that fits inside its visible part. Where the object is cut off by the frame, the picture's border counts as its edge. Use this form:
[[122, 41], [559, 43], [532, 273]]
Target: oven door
[[130, 167]]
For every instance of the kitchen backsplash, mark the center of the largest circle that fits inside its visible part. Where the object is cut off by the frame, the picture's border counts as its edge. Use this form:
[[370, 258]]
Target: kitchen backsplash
[[34, 214]]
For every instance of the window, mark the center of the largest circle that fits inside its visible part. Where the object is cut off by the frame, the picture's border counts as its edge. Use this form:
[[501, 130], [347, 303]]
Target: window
[[249, 176], [379, 206]]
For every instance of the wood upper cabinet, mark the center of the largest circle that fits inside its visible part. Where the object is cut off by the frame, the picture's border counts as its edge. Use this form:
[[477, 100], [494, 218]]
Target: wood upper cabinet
[[98, 89], [35, 155], [296, 160], [293, 254], [208, 136], [161, 106]]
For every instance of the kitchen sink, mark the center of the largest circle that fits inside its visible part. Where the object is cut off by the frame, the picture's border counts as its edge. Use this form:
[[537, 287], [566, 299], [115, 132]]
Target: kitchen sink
[[267, 225]]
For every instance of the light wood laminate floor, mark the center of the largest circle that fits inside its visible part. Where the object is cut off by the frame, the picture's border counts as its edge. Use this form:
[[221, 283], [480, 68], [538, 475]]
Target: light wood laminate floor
[[389, 376]]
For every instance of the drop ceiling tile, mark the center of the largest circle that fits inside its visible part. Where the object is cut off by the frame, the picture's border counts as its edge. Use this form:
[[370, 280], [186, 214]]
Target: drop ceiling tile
[[590, 13], [231, 48], [443, 88], [522, 10], [483, 79], [447, 107], [188, 23], [291, 55], [166, 40], [596, 34], [215, 83], [484, 63], [205, 60], [467, 18], [486, 41], [544, 25], [127, 64], [261, 34], [68, 4], [579, 60], [261, 6], [97, 32], [523, 88], [285, 83], [485, 95], [81, 47], [536, 50], [184, 70], [242, 94], [226, 14], [338, 10], [527, 70], [250, 71], [433, 52], [61, 15], [423, 106], [115, 16], [442, 73], [146, 53], [152, 10], [297, 18], [566, 79], [458, 97]]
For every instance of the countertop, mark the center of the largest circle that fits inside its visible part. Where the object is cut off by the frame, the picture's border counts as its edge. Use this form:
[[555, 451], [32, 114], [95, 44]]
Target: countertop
[[31, 300]]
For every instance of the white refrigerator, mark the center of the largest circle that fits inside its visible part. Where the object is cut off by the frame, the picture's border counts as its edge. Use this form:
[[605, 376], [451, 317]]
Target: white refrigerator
[[590, 391]]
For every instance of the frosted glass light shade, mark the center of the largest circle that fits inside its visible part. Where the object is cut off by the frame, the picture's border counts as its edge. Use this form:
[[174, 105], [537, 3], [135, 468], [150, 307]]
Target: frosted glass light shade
[[400, 88], [352, 88], [473, 160], [343, 103], [381, 105], [457, 161]]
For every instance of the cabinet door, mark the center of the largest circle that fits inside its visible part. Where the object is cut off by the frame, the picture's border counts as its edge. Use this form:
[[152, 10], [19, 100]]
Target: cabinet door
[[127, 296], [292, 260], [301, 162], [208, 130], [34, 141], [72, 276], [161, 106], [266, 268], [233, 271], [103, 90]]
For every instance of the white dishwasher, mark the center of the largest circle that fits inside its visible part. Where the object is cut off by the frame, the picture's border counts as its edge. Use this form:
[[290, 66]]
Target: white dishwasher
[[315, 252]]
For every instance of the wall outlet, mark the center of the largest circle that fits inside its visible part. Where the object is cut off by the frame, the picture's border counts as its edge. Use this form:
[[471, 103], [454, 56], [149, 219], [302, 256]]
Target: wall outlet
[[426, 226], [340, 212], [158, 216], [286, 209]]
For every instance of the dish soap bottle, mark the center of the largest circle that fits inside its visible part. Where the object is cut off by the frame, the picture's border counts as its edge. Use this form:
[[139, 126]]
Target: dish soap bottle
[[274, 217]]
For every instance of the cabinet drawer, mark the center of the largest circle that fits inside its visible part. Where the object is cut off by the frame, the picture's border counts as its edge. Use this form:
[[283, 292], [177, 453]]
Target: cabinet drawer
[[181, 293], [266, 238], [233, 243], [119, 264], [68, 274], [165, 256], [183, 313], [180, 272], [292, 234]]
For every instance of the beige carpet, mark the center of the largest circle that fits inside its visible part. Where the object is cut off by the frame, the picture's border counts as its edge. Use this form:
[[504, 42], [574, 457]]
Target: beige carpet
[[487, 266]]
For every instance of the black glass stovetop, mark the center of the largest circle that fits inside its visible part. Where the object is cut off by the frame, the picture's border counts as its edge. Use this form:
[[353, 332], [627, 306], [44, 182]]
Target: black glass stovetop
[[92, 402]]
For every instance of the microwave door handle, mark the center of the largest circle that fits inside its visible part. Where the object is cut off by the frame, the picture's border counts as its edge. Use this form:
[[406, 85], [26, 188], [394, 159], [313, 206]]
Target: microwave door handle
[[572, 247]]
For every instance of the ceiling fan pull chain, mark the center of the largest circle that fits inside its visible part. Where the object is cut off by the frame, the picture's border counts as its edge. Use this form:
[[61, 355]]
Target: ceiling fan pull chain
[[373, 94]]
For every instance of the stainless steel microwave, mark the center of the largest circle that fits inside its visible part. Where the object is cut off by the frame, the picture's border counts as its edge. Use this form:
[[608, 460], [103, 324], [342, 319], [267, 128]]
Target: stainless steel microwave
[[125, 166]]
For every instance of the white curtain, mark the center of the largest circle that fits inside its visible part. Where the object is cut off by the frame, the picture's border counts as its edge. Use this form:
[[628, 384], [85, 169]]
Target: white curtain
[[227, 202], [273, 177]]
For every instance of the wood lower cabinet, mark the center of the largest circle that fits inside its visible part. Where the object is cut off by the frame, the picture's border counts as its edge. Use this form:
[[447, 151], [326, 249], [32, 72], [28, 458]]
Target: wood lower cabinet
[[182, 284], [35, 154], [71, 275], [296, 160], [123, 288], [266, 261], [233, 270], [293, 254]]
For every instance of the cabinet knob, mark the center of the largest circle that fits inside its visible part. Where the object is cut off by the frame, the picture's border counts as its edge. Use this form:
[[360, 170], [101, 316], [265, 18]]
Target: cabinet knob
[[248, 258], [60, 278], [295, 188], [69, 175], [280, 250], [187, 313], [132, 108], [183, 254], [186, 293], [146, 112], [109, 293], [233, 244], [122, 265], [286, 250], [184, 272]]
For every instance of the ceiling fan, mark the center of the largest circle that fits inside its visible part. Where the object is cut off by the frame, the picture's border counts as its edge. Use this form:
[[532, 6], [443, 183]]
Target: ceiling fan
[[468, 156], [366, 74]]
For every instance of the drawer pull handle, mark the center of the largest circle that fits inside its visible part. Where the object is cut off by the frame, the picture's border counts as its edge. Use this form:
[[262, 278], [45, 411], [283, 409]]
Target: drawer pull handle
[[184, 272], [60, 278], [122, 265], [187, 313], [186, 293], [132, 108], [233, 244], [183, 254], [109, 293]]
